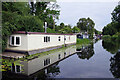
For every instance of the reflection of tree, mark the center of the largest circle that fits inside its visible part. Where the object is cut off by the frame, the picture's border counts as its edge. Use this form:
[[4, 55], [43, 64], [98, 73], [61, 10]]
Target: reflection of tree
[[115, 65], [86, 53], [53, 70], [111, 46]]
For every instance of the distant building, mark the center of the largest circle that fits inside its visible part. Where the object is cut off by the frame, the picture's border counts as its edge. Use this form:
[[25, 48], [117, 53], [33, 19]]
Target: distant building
[[83, 35], [36, 42]]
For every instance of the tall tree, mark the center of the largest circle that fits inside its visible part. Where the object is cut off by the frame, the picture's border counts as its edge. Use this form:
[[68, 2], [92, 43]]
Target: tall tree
[[86, 25], [113, 27], [75, 29], [47, 12]]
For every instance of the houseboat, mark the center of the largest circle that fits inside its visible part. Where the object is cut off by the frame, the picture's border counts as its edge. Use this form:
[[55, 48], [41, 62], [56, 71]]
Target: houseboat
[[36, 42]]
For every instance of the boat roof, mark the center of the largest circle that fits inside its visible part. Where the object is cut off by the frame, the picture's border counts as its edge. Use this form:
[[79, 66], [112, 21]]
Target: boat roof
[[24, 32]]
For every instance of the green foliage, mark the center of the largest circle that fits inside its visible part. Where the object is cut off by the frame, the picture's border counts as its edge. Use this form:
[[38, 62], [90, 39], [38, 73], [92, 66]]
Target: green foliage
[[30, 24], [64, 28], [110, 29], [75, 29], [114, 37], [46, 13], [116, 14], [113, 27], [62, 25], [106, 37], [83, 41], [50, 30], [7, 63]]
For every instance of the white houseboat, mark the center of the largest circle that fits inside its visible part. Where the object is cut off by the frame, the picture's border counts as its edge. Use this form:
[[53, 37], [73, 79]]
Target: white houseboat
[[36, 42]]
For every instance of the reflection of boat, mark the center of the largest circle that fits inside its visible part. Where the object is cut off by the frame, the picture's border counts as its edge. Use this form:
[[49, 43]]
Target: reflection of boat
[[32, 66]]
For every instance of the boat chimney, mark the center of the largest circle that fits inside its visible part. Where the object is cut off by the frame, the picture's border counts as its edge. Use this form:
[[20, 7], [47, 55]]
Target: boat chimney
[[45, 27]]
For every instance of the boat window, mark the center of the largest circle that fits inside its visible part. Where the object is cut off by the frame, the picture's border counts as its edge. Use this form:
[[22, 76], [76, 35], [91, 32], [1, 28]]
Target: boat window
[[46, 39], [12, 40], [59, 38], [59, 56], [46, 61], [18, 40], [15, 40]]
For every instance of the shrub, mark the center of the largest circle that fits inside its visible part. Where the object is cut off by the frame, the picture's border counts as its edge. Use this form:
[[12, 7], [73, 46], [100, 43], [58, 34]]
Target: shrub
[[106, 37], [83, 41]]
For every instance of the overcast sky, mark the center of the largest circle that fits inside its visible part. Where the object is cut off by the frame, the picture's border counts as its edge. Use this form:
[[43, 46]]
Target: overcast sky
[[99, 11]]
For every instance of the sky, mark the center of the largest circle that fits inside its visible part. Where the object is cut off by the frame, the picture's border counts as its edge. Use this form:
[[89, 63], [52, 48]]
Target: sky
[[99, 11]]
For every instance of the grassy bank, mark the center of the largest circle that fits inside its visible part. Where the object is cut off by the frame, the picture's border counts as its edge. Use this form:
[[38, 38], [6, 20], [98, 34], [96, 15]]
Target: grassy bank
[[83, 41]]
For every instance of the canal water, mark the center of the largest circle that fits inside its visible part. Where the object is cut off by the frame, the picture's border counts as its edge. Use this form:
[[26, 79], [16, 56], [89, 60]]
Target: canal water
[[97, 60]]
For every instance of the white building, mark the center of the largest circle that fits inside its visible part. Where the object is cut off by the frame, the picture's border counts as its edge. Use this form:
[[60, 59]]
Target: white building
[[35, 42]]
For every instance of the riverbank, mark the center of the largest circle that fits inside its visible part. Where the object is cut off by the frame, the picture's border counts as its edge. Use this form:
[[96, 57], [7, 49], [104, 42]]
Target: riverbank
[[83, 41]]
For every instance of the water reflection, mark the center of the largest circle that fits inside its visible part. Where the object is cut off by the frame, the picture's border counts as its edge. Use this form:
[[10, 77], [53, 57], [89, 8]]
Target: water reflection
[[49, 72], [111, 46], [86, 53], [44, 66], [115, 65]]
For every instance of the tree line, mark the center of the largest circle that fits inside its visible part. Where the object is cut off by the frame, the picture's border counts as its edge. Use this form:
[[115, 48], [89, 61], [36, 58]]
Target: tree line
[[113, 27]]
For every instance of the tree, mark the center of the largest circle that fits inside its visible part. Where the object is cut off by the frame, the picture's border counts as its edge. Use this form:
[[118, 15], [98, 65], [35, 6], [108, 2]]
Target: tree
[[65, 28], [82, 24], [116, 17], [116, 14], [86, 25], [11, 14], [113, 27], [46, 13], [109, 29], [62, 25], [75, 29]]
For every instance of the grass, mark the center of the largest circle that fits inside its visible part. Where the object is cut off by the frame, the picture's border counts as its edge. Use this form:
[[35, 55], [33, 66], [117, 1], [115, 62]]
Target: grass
[[83, 41]]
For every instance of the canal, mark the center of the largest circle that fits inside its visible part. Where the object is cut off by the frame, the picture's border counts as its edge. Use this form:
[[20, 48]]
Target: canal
[[97, 60]]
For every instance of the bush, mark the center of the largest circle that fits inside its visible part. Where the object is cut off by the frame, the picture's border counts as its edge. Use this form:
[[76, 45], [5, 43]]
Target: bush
[[106, 37], [83, 41]]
